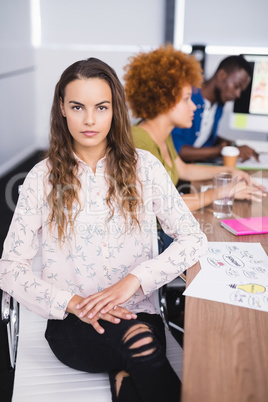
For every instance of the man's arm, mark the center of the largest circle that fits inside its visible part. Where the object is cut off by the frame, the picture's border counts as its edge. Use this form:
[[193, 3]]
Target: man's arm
[[192, 154], [245, 151], [189, 153]]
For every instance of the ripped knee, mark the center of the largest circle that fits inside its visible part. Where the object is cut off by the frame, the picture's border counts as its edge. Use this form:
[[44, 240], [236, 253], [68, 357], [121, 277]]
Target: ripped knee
[[139, 339]]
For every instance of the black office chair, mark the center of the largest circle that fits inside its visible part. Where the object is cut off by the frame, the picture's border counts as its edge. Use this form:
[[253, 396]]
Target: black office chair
[[172, 302], [10, 318]]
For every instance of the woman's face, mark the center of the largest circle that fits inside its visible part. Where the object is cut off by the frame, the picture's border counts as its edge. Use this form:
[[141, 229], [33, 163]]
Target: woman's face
[[88, 109], [182, 113]]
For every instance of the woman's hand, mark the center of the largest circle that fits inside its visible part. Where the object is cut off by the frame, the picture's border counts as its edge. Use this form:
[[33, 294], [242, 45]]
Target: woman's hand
[[107, 299], [114, 315], [246, 179], [252, 192], [241, 175], [240, 190]]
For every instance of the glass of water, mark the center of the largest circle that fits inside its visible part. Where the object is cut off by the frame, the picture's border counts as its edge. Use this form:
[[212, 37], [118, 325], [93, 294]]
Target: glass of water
[[224, 184]]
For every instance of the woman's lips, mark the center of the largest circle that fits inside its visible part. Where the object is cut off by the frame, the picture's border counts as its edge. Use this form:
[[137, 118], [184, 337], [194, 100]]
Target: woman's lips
[[89, 133]]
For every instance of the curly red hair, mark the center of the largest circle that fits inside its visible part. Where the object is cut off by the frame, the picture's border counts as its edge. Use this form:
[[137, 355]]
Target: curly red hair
[[154, 80]]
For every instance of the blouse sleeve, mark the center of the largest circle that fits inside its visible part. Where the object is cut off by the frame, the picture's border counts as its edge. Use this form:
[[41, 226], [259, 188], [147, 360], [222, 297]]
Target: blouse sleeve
[[20, 247], [189, 244]]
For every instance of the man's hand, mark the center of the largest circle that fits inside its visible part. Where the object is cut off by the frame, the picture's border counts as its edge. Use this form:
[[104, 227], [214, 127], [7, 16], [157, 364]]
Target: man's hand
[[246, 153]]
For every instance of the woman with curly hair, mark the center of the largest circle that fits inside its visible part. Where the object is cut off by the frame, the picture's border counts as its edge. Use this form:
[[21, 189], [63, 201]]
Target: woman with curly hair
[[158, 87], [91, 206]]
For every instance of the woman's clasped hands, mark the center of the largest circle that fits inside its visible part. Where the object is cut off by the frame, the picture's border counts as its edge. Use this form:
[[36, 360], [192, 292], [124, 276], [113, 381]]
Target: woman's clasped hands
[[105, 305]]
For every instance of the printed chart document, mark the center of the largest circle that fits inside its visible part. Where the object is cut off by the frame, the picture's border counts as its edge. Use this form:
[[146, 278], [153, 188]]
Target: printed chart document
[[233, 273]]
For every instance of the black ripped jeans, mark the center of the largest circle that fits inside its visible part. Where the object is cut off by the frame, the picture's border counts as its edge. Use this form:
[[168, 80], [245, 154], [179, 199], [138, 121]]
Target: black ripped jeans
[[151, 378]]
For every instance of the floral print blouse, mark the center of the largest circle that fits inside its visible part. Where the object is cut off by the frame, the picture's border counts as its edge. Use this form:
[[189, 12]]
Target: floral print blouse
[[101, 251]]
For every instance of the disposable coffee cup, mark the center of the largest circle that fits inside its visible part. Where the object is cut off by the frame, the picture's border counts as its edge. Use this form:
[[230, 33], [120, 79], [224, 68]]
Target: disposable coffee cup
[[230, 155]]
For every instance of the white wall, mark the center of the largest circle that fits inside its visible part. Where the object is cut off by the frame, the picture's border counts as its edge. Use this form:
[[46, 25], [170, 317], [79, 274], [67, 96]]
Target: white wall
[[111, 30], [237, 24], [17, 112], [226, 23]]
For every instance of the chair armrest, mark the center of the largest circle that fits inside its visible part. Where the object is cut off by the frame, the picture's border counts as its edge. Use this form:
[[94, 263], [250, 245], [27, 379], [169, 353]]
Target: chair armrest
[[162, 294], [10, 317], [5, 307]]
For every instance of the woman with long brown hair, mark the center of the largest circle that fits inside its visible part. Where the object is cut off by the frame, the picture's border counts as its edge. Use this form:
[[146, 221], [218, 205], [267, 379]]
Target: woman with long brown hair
[[91, 206]]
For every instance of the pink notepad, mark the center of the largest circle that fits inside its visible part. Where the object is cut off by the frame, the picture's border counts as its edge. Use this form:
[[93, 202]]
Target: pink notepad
[[246, 226]]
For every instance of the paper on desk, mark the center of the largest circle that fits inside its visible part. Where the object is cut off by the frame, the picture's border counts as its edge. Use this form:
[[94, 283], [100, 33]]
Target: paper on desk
[[253, 164], [258, 146], [234, 273]]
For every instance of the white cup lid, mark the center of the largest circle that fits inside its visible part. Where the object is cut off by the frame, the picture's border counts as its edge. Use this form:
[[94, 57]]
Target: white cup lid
[[230, 151]]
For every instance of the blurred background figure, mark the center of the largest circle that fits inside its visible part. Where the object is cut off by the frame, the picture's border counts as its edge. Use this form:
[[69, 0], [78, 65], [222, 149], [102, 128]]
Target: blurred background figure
[[201, 141]]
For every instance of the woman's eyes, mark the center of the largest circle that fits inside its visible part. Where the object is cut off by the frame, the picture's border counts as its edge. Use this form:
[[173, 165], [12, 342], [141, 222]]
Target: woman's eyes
[[101, 108]]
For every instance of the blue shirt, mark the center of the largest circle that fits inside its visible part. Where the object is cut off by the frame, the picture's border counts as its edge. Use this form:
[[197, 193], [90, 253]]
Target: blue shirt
[[187, 136]]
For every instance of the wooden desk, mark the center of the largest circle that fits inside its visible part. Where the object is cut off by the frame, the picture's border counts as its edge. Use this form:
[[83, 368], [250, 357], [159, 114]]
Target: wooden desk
[[225, 346]]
